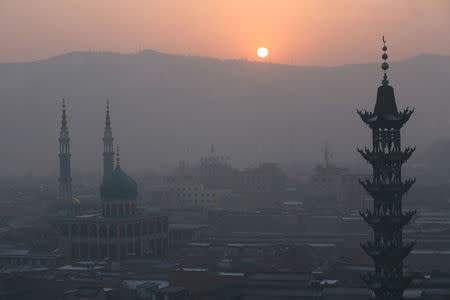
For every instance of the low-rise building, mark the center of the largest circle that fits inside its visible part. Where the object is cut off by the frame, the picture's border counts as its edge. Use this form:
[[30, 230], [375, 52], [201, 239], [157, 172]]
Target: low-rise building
[[188, 194], [332, 187], [29, 258]]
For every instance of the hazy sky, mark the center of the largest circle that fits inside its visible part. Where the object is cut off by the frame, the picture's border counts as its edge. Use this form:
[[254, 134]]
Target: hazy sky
[[319, 32]]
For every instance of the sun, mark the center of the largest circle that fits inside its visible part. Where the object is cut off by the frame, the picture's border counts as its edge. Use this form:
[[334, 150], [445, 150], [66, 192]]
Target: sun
[[262, 52]]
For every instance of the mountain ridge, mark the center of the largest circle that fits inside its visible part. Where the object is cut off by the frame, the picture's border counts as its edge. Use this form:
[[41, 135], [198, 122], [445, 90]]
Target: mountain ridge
[[163, 104], [159, 53]]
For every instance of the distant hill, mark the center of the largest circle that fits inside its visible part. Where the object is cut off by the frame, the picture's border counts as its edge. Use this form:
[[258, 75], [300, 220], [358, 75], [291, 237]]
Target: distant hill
[[167, 107]]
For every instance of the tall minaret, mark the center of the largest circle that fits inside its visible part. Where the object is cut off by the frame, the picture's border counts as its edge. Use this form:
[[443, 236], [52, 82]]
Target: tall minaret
[[108, 148], [65, 178], [387, 187]]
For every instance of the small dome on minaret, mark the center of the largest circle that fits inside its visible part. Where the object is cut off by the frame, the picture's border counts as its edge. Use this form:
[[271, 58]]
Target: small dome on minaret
[[118, 193]]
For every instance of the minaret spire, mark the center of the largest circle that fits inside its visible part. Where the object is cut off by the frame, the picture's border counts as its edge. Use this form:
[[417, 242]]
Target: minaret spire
[[118, 157], [108, 148], [64, 116], [65, 177], [108, 118]]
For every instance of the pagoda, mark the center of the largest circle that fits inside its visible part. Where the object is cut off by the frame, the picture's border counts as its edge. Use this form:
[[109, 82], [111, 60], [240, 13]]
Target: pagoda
[[387, 188]]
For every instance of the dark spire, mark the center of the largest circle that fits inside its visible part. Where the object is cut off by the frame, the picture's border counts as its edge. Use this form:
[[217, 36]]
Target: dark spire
[[65, 178], [108, 147], [108, 118], [384, 65], [64, 116], [118, 158]]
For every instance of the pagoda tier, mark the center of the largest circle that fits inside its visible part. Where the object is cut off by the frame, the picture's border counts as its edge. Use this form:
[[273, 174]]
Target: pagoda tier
[[381, 158], [391, 287], [387, 255], [382, 222], [394, 120], [389, 191]]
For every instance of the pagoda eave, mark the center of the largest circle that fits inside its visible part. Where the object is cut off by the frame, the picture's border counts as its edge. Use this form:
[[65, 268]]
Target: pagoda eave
[[375, 158], [386, 223], [391, 284], [386, 189]]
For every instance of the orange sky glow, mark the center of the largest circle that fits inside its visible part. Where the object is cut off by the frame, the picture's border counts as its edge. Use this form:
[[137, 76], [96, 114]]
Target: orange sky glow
[[300, 32]]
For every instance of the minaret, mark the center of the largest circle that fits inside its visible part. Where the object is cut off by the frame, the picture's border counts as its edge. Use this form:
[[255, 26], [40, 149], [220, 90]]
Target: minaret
[[387, 189], [108, 148], [65, 178]]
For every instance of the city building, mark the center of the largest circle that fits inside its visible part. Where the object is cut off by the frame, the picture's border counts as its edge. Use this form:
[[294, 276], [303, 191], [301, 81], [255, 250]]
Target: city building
[[215, 171], [326, 187], [188, 194], [265, 178], [26, 258], [332, 187]]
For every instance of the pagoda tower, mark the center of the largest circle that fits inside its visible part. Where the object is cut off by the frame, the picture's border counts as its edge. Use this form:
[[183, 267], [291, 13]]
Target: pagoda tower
[[387, 188], [65, 178], [108, 147]]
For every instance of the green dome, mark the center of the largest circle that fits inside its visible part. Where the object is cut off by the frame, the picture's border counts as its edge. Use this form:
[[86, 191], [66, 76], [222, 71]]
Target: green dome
[[118, 185]]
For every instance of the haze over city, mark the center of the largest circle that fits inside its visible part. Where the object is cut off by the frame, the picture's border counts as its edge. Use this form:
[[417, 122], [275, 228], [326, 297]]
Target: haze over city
[[224, 150]]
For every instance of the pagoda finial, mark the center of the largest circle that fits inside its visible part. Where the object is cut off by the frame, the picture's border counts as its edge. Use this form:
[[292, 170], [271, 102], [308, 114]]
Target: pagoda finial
[[118, 157], [64, 116], [108, 118], [384, 65]]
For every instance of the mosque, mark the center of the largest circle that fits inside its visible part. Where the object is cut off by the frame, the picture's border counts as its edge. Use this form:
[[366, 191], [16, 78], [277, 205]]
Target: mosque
[[121, 229]]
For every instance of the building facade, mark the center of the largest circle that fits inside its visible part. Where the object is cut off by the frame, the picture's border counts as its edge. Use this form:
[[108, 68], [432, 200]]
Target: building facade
[[215, 171], [188, 194], [332, 187], [265, 178]]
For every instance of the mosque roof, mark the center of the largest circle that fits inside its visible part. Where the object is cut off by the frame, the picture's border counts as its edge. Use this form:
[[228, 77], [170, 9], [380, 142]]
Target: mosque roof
[[118, 185]]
